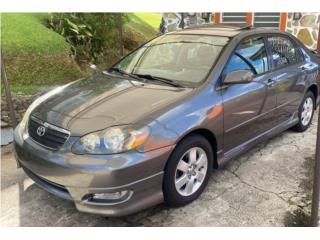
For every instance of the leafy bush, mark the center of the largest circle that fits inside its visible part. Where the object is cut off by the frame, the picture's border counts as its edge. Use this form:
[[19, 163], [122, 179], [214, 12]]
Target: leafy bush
[[89, 34]]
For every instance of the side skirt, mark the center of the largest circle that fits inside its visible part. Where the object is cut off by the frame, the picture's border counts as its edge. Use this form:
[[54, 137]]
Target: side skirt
[[223, 158]]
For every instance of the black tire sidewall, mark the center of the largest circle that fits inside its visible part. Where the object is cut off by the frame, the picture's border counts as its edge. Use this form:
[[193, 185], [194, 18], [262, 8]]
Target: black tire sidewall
[[171, 195]]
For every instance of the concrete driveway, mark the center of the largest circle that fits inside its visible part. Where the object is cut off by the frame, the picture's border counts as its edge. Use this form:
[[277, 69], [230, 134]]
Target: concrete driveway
[[256, 189]]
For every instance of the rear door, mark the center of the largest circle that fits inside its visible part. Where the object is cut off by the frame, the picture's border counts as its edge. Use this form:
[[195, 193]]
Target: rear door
[[288, 75], [248, 108]]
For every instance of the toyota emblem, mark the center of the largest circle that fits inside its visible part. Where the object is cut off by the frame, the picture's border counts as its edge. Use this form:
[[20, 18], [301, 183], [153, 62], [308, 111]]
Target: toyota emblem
[[41, 131]]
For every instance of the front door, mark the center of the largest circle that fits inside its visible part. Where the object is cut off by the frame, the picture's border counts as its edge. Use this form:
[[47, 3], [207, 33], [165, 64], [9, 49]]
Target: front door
[[249, 107]]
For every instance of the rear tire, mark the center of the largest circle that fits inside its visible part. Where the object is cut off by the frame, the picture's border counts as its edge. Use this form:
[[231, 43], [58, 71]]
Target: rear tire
[[187, 171], [306, 112]]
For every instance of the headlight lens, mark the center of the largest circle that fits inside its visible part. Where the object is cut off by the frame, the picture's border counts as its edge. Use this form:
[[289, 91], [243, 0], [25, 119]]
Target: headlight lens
[[111, 140]]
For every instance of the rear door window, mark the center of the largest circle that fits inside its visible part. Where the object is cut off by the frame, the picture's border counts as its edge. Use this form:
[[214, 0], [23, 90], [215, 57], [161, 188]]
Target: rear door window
[[283, 51]]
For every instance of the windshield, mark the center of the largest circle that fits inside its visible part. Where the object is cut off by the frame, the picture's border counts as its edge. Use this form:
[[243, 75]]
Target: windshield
[[180, 58]]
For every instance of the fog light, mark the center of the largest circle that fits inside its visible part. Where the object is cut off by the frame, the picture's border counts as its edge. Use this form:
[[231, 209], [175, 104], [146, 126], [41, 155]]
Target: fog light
[[107, 198]]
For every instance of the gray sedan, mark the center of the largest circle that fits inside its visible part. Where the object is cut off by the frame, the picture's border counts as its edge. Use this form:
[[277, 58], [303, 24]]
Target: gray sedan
[[152, 127]]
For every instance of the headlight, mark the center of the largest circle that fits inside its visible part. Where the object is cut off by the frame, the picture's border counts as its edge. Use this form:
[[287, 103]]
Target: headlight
[[111, 140]]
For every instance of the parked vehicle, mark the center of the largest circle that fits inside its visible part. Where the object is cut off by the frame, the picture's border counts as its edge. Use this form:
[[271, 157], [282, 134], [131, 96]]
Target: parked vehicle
[[152, 127]]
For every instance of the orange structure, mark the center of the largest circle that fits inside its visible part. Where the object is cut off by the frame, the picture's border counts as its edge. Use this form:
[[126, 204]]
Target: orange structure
[[283, 21], [250, 18]]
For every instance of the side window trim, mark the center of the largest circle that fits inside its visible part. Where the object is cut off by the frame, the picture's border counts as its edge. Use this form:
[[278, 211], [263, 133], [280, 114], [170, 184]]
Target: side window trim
[[269, 52]]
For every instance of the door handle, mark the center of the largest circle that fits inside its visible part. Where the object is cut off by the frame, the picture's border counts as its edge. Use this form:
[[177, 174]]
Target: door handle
[[270, 82], [303, 68]]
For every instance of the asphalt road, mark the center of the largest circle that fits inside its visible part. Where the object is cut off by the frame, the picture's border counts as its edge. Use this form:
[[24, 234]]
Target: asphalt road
[[256, 189]]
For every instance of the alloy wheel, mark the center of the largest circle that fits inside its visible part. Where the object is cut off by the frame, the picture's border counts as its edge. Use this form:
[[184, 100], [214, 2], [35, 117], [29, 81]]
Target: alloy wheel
[[191, 171], [307, 111]]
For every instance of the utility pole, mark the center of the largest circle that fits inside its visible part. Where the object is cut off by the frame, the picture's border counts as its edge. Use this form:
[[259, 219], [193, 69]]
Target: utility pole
[[120, 35], [316, 182], [316, 178], [8, 93]]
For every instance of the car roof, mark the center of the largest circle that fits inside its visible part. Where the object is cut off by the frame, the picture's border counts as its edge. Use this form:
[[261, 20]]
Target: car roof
[[225, 30], [207, 31]]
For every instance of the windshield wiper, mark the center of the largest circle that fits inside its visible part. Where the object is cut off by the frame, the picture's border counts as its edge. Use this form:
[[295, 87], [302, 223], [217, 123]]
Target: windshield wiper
[[146, 76], [125, 73], [160, 79]]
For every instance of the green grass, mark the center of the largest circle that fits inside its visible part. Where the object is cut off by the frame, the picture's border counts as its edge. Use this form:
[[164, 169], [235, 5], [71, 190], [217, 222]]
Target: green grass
[[30, 89], [145, 23], [152, 19], [24, 34], [34, 54]]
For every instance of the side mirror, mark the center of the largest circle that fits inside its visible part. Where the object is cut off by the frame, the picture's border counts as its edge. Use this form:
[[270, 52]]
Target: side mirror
[[239, 76]]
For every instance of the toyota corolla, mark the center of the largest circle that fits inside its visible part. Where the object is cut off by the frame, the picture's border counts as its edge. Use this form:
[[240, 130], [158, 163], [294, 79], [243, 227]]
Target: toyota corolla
[[151, 128]]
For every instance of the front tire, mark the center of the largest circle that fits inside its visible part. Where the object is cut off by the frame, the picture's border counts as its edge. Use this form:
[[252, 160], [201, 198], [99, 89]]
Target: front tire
[[187, 171], [306, 111]]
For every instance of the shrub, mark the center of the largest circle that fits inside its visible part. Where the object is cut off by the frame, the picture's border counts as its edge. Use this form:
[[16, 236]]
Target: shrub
[[89, 34]]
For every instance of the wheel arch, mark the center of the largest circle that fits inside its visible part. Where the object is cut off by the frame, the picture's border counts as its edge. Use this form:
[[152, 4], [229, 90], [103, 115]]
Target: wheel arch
[[209, 136], [314, 89]]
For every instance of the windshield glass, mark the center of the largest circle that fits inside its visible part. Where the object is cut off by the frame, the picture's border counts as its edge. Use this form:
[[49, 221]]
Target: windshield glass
[[181, 58]]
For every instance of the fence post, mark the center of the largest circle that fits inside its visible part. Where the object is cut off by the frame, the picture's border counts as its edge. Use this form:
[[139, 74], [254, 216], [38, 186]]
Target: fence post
[[8, 93], [316, 182]]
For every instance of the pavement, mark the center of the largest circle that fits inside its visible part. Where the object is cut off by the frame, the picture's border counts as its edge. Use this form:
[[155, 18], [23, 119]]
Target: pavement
[[6, 136], [6, 133], [258, 188]]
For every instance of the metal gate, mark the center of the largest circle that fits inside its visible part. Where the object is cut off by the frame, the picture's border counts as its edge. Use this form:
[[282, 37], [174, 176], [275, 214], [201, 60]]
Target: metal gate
[[267, 19], [238, 17]]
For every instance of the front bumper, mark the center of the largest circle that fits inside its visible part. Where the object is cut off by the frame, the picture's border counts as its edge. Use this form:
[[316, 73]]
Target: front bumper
[[74, 177]]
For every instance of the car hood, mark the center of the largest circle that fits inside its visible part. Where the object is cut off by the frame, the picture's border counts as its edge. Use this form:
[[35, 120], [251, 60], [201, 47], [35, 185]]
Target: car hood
[[105, 100]]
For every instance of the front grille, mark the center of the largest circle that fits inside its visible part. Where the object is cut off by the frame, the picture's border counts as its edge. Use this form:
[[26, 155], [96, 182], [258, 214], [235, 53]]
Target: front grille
[[53, 137]]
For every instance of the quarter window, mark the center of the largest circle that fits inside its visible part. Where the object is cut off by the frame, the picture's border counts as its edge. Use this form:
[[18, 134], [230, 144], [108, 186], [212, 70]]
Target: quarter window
[[283, 51]]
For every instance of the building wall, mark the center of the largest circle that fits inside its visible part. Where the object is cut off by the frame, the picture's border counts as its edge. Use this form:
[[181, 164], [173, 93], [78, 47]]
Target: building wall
[[306, 28]]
